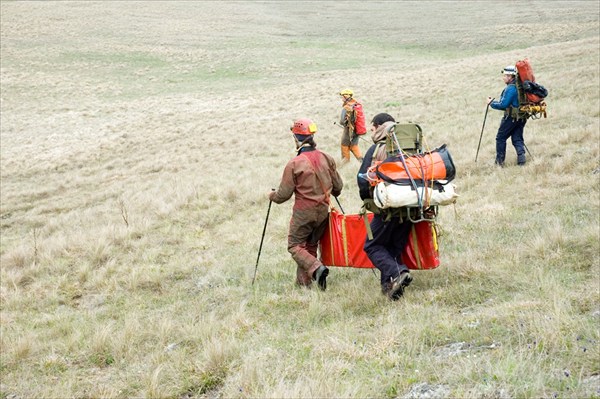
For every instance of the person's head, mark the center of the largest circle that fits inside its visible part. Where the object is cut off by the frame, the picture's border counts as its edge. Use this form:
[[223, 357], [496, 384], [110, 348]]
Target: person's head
[[380, 119], [303, 130], [346, 94], [379, 133], [508, 73]]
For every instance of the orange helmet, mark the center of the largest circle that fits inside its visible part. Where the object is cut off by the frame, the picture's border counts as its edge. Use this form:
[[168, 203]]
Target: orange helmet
[[304, 127]]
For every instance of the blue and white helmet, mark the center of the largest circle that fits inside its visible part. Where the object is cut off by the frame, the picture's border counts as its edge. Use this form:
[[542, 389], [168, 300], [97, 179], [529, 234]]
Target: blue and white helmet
[[509, 70]]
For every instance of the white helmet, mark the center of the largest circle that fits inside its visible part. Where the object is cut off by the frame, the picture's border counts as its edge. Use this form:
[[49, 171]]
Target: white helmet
[[509, 70]]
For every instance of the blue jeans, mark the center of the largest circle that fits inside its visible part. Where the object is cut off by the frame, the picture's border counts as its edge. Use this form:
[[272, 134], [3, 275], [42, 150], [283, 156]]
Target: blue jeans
[[384, 250], [512, 128]]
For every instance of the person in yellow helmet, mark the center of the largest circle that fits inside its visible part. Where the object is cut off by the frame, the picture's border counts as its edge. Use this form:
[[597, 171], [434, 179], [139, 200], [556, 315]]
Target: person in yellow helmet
[[348, 119]]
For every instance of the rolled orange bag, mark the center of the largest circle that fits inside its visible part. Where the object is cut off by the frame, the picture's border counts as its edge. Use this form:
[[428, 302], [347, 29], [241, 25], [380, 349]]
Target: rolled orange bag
[[426, 167]]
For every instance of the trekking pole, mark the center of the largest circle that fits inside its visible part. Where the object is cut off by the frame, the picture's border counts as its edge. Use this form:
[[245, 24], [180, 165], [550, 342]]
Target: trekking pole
[[525, 145], [338, 201], [261, 240], [359, 136], [482, 127]]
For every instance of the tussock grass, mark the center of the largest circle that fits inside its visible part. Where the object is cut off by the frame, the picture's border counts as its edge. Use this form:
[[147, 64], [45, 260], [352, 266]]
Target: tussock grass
[[137, 147]]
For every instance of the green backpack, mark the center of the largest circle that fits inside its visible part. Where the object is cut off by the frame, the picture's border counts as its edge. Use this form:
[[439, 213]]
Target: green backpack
[[405, 136]]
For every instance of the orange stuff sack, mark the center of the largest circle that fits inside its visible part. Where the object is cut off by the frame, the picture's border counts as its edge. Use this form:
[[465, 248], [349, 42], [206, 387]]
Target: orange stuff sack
[[426, 167], [343, 241], [525, 72]]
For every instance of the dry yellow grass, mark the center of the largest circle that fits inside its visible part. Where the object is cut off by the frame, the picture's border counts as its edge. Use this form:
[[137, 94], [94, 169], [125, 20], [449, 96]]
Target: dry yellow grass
[[138, 140]]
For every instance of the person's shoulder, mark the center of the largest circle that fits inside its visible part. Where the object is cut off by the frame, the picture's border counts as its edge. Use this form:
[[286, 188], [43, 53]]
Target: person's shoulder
[[322, 152], [326, 155]]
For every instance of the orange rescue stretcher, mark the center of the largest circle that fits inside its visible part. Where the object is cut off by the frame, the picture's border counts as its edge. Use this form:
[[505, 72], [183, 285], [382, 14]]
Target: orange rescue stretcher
[[343, 241]]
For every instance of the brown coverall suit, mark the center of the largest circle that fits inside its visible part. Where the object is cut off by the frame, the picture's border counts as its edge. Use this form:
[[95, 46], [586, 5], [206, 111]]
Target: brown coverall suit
[[311, 176]]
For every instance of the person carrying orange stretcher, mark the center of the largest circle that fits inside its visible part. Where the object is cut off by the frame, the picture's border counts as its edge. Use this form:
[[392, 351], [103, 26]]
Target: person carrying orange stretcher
[[311, 176], [389, 236]]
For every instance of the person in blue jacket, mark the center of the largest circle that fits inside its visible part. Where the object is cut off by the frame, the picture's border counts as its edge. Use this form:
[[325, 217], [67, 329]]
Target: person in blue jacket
[[513, 122]]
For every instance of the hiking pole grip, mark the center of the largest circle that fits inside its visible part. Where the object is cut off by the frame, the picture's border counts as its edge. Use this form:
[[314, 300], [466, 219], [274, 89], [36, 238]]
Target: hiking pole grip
[[482, 127], [262, 239]]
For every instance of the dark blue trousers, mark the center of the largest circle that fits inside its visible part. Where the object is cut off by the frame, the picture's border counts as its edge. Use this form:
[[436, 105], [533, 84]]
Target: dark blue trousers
[[389, 240], [512, 128]]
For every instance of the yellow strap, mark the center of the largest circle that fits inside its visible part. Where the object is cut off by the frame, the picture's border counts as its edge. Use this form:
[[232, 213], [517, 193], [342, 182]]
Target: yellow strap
[[363, 213], [368, 226], [344, 238], [331, 242], [413, 234]]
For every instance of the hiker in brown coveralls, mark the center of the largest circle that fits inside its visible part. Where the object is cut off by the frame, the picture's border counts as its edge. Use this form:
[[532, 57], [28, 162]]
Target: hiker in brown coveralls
[[311, 176]]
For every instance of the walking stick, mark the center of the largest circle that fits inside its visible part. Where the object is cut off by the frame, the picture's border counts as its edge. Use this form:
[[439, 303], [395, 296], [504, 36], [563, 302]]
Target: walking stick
[[482, 127], [261, 241], [525, 145], [359, 136], [338, 201]]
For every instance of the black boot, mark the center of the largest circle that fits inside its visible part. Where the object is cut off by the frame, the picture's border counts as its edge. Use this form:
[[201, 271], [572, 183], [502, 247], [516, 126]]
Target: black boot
[[320, 276]]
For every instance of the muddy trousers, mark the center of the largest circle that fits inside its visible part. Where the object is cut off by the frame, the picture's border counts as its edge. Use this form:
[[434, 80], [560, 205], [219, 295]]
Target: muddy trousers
[[350, 146], [384, 250], [306, 229], [512, 128]]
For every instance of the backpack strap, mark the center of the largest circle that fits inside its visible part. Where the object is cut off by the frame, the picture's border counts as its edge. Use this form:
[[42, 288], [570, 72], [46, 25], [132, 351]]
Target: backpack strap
[[364, 187], [363, 212]]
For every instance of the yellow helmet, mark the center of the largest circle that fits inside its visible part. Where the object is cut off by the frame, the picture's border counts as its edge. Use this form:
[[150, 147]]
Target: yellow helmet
[[346, 92]]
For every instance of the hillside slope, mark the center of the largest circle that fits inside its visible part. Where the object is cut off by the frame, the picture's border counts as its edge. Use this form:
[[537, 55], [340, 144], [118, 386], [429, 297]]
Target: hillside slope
[[137, 146]]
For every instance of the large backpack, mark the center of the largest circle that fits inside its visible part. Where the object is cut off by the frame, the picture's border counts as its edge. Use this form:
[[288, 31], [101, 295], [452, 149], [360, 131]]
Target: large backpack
[[360, 127], [531, 94], [409, 180], [414, 181], [407, 137], [353, 116]]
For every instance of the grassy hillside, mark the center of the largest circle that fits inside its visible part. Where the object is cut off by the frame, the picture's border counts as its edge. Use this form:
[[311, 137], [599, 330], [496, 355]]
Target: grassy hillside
[[138, 141]]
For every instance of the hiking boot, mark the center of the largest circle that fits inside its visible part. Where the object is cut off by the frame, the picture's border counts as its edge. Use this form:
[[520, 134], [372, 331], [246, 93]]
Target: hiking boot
[[499, 163], [395, 288], [320, 276], [521, 160], [406, 278]]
